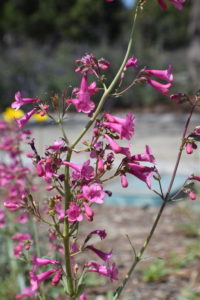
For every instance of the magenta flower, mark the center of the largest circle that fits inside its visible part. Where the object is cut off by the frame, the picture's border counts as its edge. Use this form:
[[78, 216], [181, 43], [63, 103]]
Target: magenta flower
[[146, 156], [19, 101], [116, 148], [27, 292], [93, 193], [57, 277], [84, 171], [104, 256], [110, 272], [195, 178], [192, 195], [161, 74], [101, 233], [124, 181], [88, 212], [131, 62], [178, 4], [125, 127], [141, 172], [83, 102], [82, 297], [160, 87], [21, 122], [44, 261], [57, 146], [74, 213]]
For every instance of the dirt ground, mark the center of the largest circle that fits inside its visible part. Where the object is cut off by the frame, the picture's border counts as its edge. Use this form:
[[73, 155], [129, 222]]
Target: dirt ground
[[171, 241]]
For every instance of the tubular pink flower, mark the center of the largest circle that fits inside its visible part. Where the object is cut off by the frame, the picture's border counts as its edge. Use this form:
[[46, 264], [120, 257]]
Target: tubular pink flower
[[104, 256], [125, 127], [160, 87], [116, 148], [21, 237], [100, 164], [81, 171], [58, 145], [189, 148], [83, 102], [195, 178], [57, 277], [178, 4], [74, 213], [42, 276], [112, 272], [19, 101], [21, 122], [27, 292], [101, 233], [146, 156], [141, 172], [88, 212], [82, 297], [192, 196], [131, 62], [93, 193], [44, 261], [161, 74], [124, 181]]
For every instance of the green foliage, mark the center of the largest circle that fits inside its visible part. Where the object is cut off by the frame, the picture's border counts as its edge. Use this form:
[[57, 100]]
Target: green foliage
[[156, 271], [66, 19], [189, 294]]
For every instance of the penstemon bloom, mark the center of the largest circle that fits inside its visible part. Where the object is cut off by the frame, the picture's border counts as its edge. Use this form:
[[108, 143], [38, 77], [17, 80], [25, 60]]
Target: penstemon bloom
[[19, 101], [83, 102], [178, 4]]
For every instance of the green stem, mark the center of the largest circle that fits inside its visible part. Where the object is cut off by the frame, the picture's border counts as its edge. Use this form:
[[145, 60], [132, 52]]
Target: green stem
[[66, 238]]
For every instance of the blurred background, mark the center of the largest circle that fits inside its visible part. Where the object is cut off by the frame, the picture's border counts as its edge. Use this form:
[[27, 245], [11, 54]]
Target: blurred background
[[41, 39]]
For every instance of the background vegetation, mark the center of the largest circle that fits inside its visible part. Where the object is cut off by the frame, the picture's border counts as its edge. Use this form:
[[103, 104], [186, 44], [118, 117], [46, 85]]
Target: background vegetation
[[40, 40]]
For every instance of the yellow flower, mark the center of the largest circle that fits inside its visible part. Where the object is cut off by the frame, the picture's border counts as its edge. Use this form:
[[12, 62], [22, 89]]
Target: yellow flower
[[39, 118], [11, 114]]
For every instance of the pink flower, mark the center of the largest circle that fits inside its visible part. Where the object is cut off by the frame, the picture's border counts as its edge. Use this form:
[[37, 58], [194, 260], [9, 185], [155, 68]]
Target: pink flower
[[101, 233], [21, 122], [93, 193], [147, 156], [57, 146], [160, 87], [107, 271], [88, 212], [44, 261], [84, 171], [57, 277], [82, 297], [131, 62], [125, 127], [74, 213], [142, 172], [161, 74], [178, 4], [195, 178], [116, 148], [27, 292], [19, 101], [104, 256], [83, 102], [192, 196], [124, 181]]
